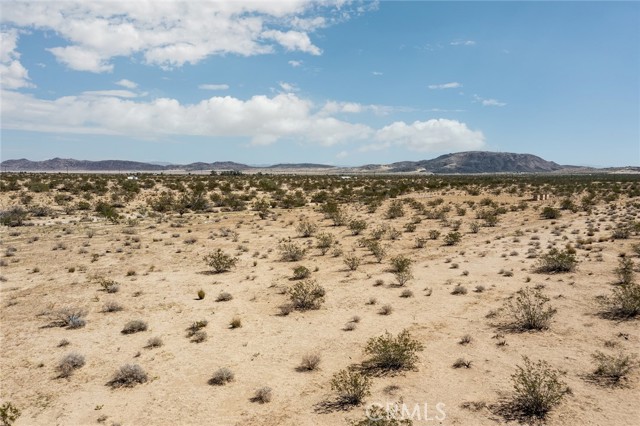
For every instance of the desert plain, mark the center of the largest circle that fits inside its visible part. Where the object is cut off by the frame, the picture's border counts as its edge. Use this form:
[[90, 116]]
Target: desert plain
[[134, 259]]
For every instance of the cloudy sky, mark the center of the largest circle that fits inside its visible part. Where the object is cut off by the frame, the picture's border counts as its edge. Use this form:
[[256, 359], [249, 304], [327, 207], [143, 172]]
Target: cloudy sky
[[334, 82]]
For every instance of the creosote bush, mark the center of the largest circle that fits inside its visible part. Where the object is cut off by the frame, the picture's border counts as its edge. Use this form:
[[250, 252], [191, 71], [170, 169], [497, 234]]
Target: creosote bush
[[529, 310], [387, 352], [452, 238], [624, 301], [306, 295], [301, 272], [128, 375], [610, 369], [306, 228], [537, 389], [352, 387], [324, 241], [352, 261], [290, 251], [556, 261], [220, 261]]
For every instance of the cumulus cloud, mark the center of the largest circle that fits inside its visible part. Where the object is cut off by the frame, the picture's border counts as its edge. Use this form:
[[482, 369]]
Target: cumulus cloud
[[295, 64], [171, 33], [293, 40], [262, 120], [431, 135], [214, 87], [452, 85], [127, 83], [12, 74]]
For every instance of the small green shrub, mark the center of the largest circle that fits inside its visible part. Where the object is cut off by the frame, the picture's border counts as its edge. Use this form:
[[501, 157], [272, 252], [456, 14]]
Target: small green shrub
[[306, 228], [324, 242], [352, 387], [537, 389], [393, 353], [610, 369], [220, 261], [290, 251], [452, 238], [306, 295], [356, 226], [529, 310], [201, 294], [550, 213], [624, 271], [624, 302], [301, 272], [352, 261], [556, 261]]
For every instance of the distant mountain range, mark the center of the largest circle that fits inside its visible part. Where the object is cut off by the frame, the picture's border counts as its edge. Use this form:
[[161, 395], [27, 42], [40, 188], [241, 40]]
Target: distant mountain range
[[462, 162]]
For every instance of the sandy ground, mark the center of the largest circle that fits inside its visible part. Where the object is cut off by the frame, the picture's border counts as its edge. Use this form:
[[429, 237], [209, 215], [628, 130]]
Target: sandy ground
[[159, 275]]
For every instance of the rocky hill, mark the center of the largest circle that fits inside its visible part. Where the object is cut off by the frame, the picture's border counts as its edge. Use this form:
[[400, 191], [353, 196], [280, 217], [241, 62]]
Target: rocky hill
[[479, 162]]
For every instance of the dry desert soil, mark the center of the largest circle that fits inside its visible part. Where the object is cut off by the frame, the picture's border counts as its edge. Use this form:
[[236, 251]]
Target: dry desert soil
[[148, 265]]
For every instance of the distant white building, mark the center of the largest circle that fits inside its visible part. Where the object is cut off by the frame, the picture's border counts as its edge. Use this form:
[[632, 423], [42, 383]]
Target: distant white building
[[132, 177]]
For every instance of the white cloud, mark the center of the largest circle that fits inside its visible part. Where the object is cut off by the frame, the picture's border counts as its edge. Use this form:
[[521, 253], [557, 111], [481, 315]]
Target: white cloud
[[452, 85], [114, 93], [127, 83], [488, 102], [295, 64], [433, 135], [12, 74], [342, 154], [288, 87], [376, 73], [463, 43], [171, 33], [293, 40], [214, 87], [492, 102], [261, 119]]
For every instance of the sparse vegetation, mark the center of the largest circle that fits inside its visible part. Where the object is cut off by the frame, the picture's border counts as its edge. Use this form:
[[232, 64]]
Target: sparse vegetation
[[128, 376], [221, 377], [69, 364], [220, 261], [537, 389], [352, 387], [556, 261], [306, 295], [387, 352], [529, 310], [134, 326]]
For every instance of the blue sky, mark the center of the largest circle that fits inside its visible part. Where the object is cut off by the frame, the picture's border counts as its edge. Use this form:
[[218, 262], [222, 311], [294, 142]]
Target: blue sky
[[336, 82]]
